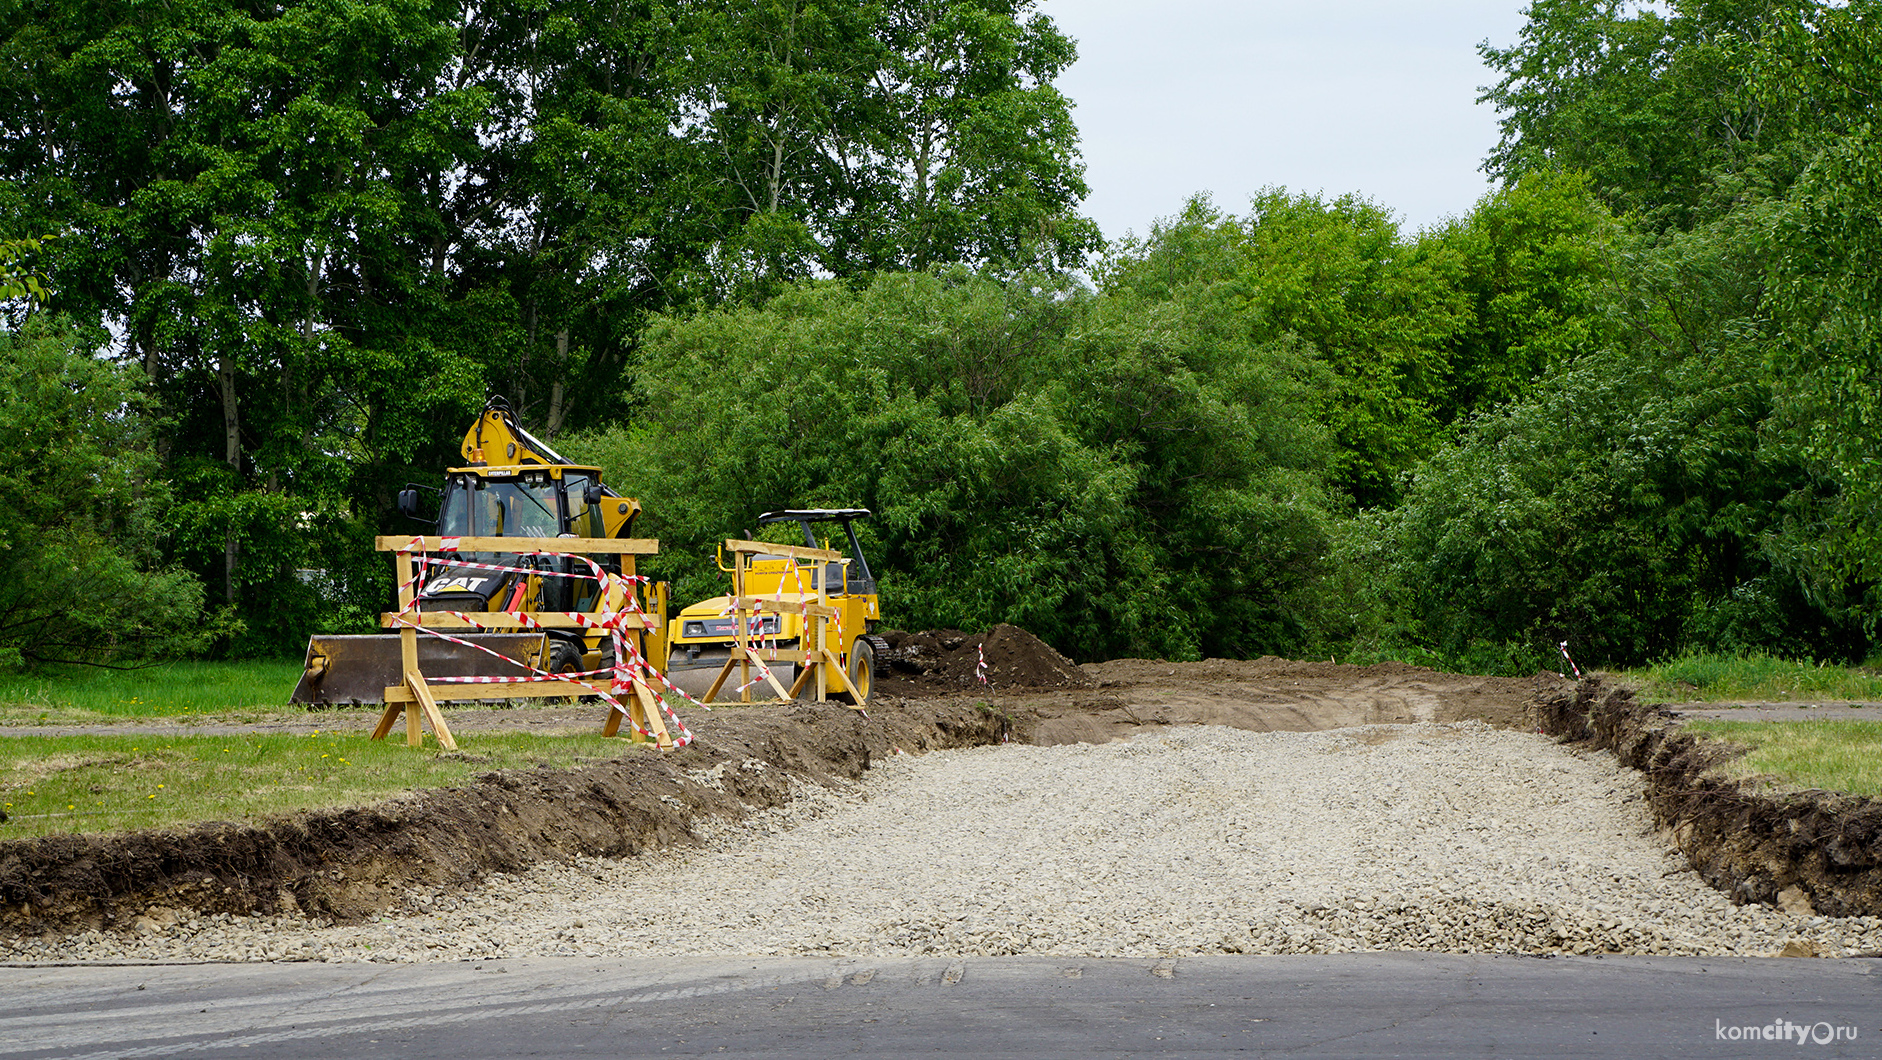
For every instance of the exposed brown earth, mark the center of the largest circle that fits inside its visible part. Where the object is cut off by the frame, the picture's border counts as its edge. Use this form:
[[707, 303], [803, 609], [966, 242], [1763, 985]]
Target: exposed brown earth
[[1816, 851], [349, 865]]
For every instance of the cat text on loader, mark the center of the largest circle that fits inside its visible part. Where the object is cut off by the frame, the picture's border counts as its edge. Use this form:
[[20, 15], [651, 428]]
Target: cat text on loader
[[512, 486], [806, 612]]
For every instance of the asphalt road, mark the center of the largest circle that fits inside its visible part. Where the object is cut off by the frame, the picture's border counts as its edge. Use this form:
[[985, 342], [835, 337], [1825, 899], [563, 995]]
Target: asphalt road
[[1402, 1005]]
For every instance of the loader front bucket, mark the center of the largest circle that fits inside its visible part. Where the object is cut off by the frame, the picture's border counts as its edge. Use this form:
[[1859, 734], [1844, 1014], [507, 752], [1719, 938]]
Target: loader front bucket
[[358, 669]]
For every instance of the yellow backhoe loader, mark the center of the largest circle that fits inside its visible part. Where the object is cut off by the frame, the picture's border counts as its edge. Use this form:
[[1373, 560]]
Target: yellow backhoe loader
[[511, 485], [701, 637]]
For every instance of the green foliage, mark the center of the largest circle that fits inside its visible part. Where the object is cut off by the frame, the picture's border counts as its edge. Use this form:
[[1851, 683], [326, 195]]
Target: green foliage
[[1843, 756], [60, 785], [1654, 104], [19, 278], [1618, 509], [1417, 332], [1536, 262], [1705, 480], [1753, 676], [1120, 478], [82, 694], [81, 577], [853, 137], [1825, 303], [1334, 276]]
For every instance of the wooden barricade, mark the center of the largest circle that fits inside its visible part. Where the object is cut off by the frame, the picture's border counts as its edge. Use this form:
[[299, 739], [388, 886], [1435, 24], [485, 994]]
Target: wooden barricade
[[817, 657], [414, 698]]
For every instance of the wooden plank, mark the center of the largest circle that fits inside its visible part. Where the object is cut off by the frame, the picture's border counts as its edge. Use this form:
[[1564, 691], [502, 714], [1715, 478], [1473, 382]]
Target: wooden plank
[[432, 714], [401, 571], [786, 607], [765, 547], [415, 710], [626, 546], [451, 691], [776, 685], [836, 670], [499, 620], [718, 682], [650, 715], [394, 707], [742, 652]]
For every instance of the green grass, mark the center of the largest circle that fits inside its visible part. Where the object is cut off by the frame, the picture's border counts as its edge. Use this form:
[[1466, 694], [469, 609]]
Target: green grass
[[170, 690], [1752, 677], [1793, 755], [103, 783]]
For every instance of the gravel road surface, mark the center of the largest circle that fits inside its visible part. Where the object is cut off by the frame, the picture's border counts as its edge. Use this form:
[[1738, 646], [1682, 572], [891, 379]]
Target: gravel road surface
[[1184, 841]]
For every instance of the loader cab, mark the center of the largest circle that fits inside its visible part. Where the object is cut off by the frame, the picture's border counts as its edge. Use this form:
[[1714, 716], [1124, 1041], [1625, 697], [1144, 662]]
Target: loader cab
[[482, 505], [522, 501], [532, 502]]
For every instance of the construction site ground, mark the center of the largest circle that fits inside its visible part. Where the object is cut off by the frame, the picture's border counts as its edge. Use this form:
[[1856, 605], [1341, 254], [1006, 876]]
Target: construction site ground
[[1455, 763]]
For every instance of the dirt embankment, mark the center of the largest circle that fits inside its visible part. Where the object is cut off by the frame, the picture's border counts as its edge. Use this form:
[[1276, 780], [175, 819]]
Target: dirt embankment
[[1788, 849], [350, 864]]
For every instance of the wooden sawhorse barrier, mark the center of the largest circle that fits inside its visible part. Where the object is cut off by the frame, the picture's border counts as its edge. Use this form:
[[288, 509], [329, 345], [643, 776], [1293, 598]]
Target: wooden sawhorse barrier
[[413, 697], [816, 659]]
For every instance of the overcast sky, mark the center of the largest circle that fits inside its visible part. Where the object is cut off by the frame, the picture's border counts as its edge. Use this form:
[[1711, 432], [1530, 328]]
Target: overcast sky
[[1376, 97]]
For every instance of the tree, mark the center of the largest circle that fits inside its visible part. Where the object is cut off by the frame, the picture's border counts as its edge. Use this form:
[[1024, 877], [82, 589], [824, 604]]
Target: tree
[[854, 137], [1634, 502], [81, 578], [1119, 478], [247, 181], [1535, 261], [1335, 275], [1825, 295], [1655, 105]]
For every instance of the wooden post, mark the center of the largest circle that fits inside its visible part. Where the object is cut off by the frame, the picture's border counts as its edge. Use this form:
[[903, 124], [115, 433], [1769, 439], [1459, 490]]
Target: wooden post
[[823, 636], [738, 630], [408, 652], [422, 693]]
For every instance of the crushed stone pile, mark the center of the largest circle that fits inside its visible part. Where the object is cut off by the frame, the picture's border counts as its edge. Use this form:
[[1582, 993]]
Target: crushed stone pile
[[1453, 838], [949, 658]]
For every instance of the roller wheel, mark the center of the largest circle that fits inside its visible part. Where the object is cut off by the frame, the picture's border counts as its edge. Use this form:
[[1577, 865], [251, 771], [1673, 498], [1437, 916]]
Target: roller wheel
[[862, 671]]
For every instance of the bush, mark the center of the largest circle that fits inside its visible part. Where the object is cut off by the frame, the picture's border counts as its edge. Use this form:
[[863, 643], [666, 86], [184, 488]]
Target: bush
[[1119, 478], [80, 575]]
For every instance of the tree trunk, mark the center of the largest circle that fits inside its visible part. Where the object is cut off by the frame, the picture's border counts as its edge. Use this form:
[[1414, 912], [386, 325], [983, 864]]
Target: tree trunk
[[555, 388], [232, 453]]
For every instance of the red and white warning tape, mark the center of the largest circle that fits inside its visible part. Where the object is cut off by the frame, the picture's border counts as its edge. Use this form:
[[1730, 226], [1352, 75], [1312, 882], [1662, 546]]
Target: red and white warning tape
[[1563, 647], [629, 663]]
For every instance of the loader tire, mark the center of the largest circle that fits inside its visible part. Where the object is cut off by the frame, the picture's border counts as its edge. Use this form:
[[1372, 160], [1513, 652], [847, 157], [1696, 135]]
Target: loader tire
[[564, 658]]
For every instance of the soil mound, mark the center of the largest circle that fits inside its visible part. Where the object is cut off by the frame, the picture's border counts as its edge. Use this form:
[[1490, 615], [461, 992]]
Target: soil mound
[[949, 658]]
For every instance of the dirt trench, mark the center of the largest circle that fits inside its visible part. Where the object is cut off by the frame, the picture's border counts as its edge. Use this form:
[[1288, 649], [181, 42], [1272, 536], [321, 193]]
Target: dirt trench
[[348, 865], [1807, 851]]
